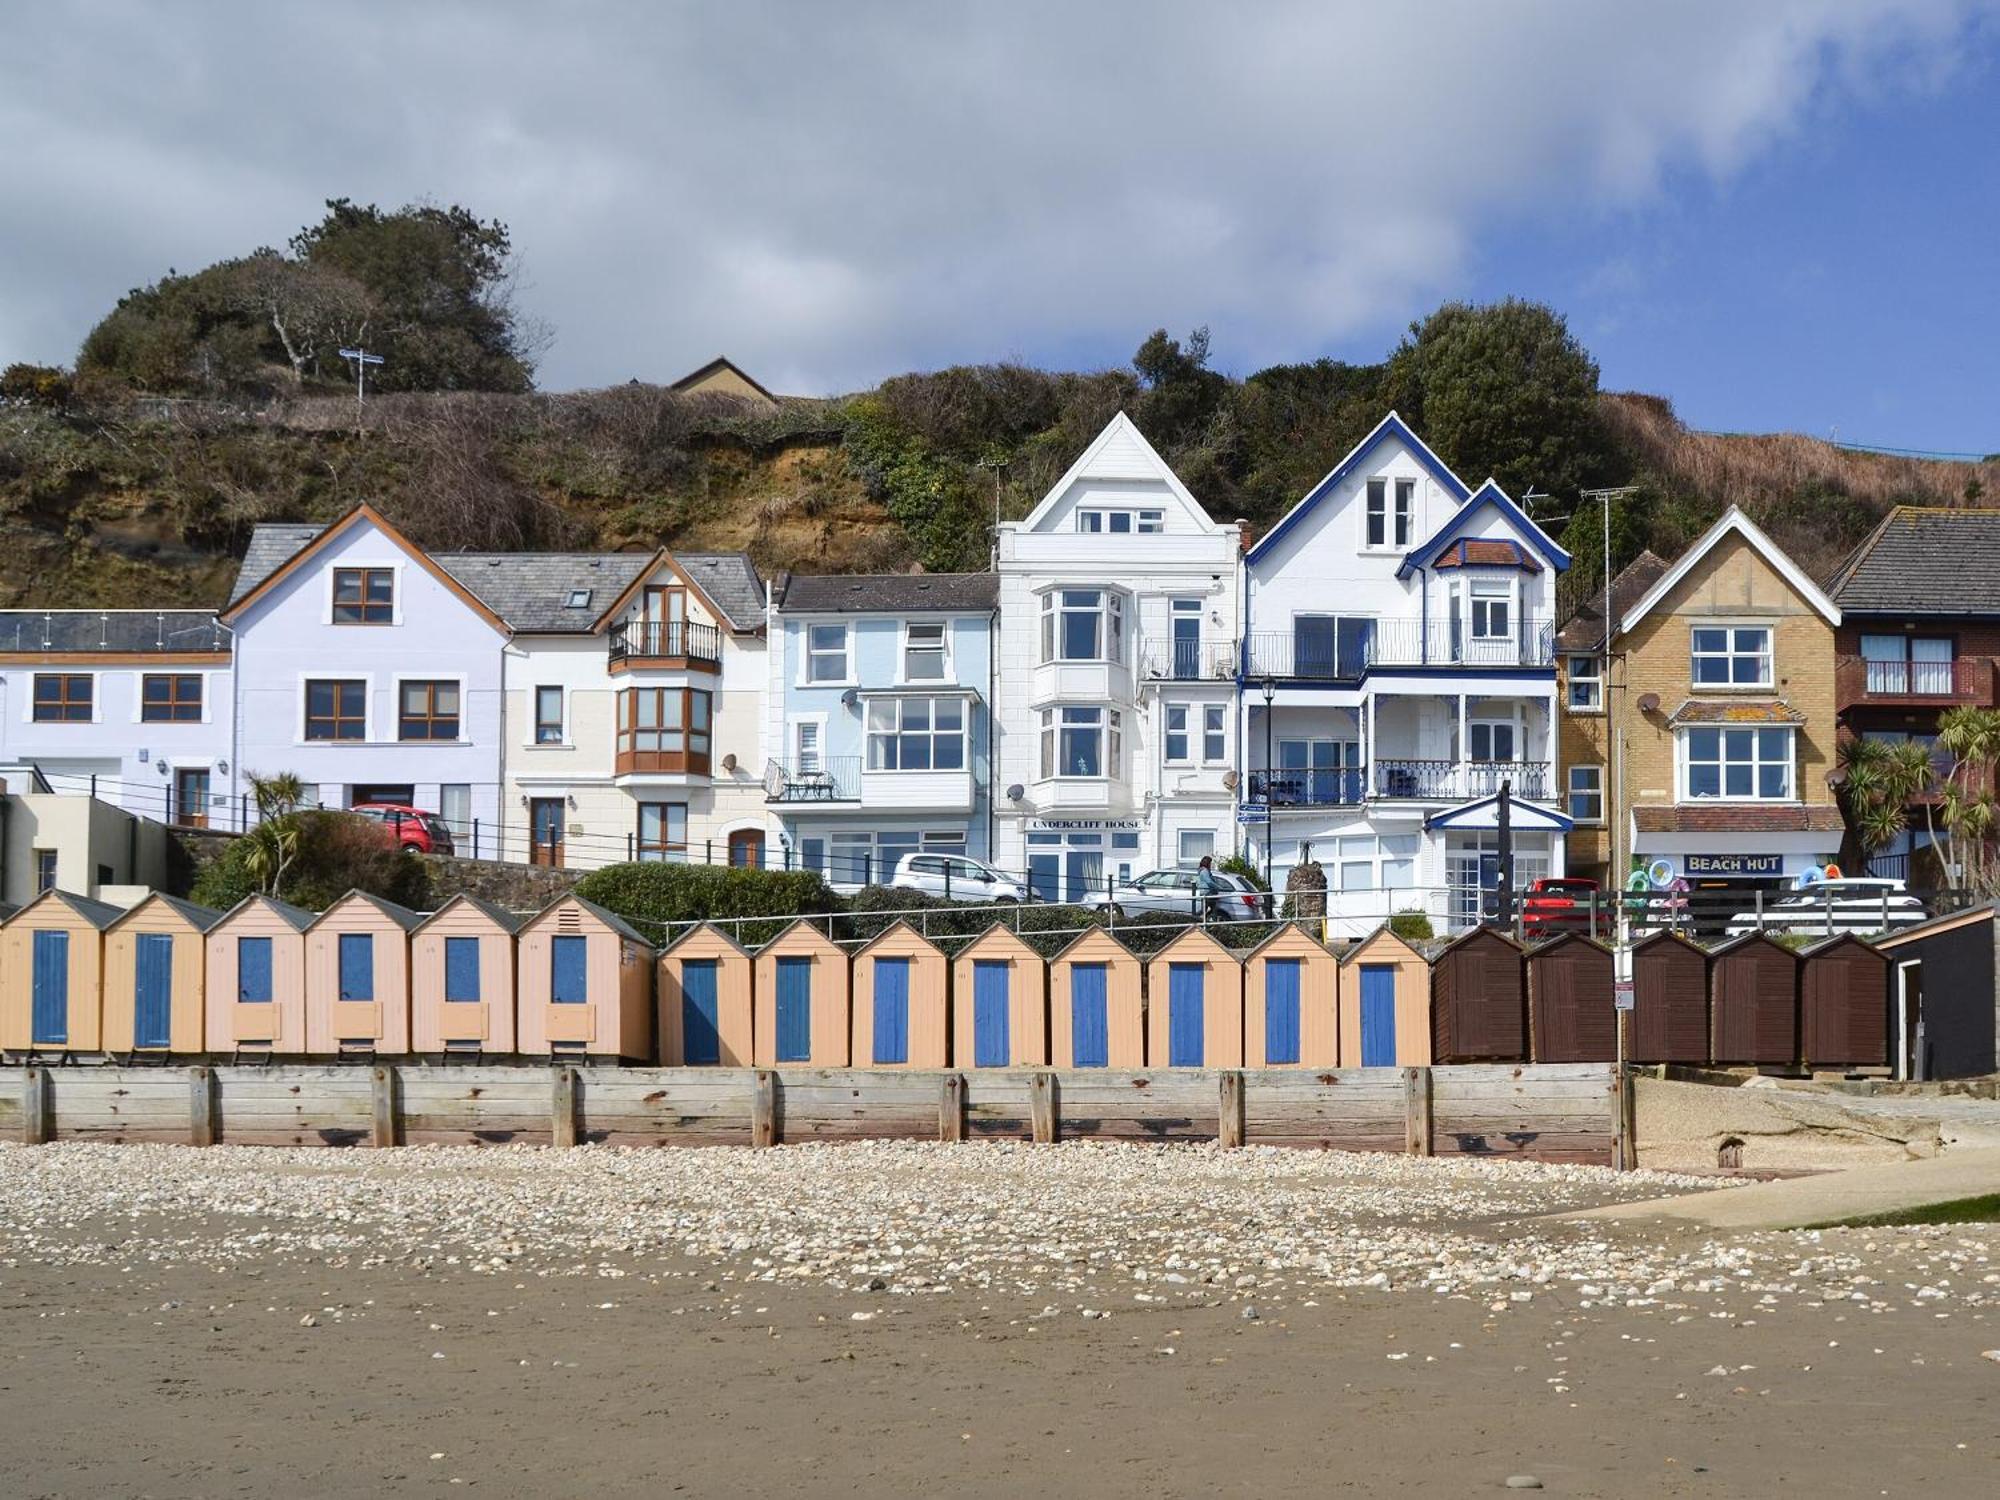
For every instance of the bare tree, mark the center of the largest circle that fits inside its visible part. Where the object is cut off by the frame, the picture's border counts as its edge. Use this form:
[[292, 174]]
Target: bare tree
[[312, 309]]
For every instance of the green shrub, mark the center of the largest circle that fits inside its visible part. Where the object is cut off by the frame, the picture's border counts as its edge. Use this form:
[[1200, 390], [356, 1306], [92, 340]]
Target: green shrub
[[1050, 929], [1411, 926], [35, 385], [868, 914], [1237, 864], [653, 895], [337, 853]]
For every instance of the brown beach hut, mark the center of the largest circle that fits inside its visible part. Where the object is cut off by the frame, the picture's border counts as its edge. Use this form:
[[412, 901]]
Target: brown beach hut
[[1572, 1014], [1844, 1004], [1291, 1002], [1669, 1001], [1754, 985], [462, 978], [901, 1008], [1479, 999], [704, 990], [52, 974], [1385, 1004], [802, 1000], [155, 973], [1194, 1010], [1096, 1018], [256, 978], [358, 976], [999, 1003], [584, 983]]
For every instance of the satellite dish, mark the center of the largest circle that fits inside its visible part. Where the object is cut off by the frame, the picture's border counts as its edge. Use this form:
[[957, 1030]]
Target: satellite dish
[[849, 698], [1016, 792], [729, 761], [1229, 780], [774, 780], [1649, 703]]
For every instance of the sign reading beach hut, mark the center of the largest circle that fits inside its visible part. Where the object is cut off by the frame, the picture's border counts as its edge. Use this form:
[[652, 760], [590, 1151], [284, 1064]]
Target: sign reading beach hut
[[802, 1000], [705, 1001], [52, 974], [155, 968], [462, 978], [1096, 1019], [1756, 1002], [358, 976], [256, 978], [1570, 1006], [585, 985], [1479, 999], [901, 1011], [999, 1003], [1291, 1002], [1669, 1000], [1385, 1004], [1844, 1004], [1194, 990]]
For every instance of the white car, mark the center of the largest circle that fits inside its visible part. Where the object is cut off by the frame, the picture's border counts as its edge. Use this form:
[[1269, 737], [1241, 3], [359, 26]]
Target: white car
[[1235, 898], [1857, 904], [956, 877]]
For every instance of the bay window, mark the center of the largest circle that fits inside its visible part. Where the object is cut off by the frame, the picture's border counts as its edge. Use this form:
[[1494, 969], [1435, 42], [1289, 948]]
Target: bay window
[[1741, 765], [916, 734], [663, 729], [1081, 742], [1731, 656], [1083, 625]]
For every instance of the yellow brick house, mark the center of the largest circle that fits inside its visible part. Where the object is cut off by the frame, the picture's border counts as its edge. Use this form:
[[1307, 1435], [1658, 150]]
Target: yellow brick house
[[1705, 737]]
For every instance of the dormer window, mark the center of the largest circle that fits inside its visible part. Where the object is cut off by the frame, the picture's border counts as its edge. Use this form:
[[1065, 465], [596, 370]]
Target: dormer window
[[1083, 625]]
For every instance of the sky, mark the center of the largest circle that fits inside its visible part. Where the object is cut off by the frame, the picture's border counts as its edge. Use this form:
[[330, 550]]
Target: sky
[[1781, 215]]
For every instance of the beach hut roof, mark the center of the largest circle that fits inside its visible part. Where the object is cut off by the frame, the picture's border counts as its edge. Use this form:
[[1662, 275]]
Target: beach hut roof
[[402, 916], [603, 914], [1091, 934], [1280, 933], [1472, 933], [797, 922], [1971, 916], [1546, 944], [297, 916], [1827, 945], [1667, 934], [201, 918], [99, 914], [512, 921], [890, 930], [1750, 939], [1195, 935], [999, 931], [1382, 929], [713, 928]]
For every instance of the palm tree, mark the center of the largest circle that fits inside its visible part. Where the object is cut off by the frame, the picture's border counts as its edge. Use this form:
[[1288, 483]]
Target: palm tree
[[273, 844], [1879, 781], [1971, 736]]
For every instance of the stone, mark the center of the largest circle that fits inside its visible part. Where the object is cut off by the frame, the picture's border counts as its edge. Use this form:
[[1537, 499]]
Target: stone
[[1523, 1482]]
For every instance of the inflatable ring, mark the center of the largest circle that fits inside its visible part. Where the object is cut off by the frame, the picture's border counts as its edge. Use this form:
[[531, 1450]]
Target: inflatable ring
[[1660, 871], [1807, 879], [1833, 872], [1638, 882]]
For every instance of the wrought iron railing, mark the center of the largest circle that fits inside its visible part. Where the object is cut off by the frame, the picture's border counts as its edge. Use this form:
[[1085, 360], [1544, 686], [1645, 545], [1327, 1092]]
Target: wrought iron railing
[[1343, 650], [672, 640], [1162, 658], [832, 778], [1305, 787]]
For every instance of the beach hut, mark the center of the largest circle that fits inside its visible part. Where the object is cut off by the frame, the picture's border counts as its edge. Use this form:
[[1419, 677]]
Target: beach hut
[[462, 978], [1572, 1014], [1291, 1002], [585, 983], [801, 991], [901, 1009], [155, 968], [256, 978], [1844, 1004], [1096, 1018], [999, 1003], [1385, 1004], [1194, 1004], [358, 976], [52, 974], [705, 1002], [1479, 999], [1669, 1001], [1754, 984]]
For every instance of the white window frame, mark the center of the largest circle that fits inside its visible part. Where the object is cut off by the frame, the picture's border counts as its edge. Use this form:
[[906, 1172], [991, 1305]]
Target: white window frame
[[801, 723], [1183, 856], [1490, 723], [1731, 654], [1478, 622], [894, 733], [1215, 734], [1403, 513], [1593, 680], [1365, 856], [1110, 612], [1168, 732], [1684, 762], [943, 650], [808, 652], [535, 741], [1375, 513], [1108, 726], [1585, 782]]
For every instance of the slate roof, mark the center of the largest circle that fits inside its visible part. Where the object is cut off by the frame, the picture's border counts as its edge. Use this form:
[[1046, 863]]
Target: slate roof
[[99, 914], [1584, 630], [1736, 817], [1924, 560], [530, 590], [83, 632], [1753, 711], [863, 593]]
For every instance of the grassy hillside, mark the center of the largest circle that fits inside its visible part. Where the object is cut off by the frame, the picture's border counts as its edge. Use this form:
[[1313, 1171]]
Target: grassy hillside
[[145, 502]]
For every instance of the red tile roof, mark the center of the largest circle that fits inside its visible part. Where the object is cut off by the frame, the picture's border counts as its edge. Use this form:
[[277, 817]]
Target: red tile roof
[[1736, 817], [1474, 552], [1736, 711]]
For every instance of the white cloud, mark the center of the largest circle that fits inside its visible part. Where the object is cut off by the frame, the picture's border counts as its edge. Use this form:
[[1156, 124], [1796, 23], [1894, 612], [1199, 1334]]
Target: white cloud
[[831, 193]]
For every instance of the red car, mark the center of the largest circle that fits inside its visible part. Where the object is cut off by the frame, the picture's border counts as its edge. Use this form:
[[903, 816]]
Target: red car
[[1562, 903], [417, 831]]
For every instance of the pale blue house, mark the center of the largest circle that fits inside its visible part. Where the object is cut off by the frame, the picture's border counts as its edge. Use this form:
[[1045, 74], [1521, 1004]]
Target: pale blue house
[[880, 720]]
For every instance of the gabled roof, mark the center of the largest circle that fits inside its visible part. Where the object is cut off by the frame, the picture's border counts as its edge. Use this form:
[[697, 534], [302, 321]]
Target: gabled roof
[[201, 918], [1092, 935], [1194, 935], [296, 917], [99, 914], [1732, 521], [1426, 553], [512, 921], [713, 929], [1485, 552], [896, 593], [900, 924], [1584, 630], [1972, 916], [402, 916], [998, 932], [1352, 951], [531, 590], [1484, 812], [806, 924], [362, 514], [1473, 934], [1391, 427], [609, 918], [1751, 940], [716, 365], [1120, 451], [1287, 930], [701, 571], [1924, 560], [86, 632]]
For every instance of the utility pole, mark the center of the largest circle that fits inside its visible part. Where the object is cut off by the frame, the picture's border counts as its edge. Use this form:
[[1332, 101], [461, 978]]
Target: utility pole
[[1613, 877], [996, 465], [362, 359]]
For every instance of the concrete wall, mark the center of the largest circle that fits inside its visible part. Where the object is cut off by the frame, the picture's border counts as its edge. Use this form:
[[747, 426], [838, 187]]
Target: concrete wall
[[88, 836]]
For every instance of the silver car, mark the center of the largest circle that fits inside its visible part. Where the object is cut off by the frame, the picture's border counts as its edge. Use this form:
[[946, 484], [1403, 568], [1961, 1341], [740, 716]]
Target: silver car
[[1835, 906], [956, 877], [1235, 898]]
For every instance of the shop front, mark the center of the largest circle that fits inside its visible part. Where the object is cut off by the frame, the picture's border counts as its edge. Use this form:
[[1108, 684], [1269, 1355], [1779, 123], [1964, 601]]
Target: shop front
[[1734, 850]]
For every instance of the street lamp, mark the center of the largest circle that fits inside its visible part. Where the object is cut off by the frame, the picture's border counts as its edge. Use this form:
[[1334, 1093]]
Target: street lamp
[[1270, 691]]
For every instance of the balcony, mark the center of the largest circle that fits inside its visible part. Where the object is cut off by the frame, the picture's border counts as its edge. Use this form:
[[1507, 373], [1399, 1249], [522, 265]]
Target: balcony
[[827, 779], [1348, 648], [1307, 788], [645, 762], [670, 644], [1163, 659], [1962, 680], [1460, 781]]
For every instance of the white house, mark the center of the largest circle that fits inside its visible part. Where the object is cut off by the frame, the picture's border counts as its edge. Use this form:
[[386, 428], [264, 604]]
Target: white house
[[1398, 669], [132, 705], [1119, 617]]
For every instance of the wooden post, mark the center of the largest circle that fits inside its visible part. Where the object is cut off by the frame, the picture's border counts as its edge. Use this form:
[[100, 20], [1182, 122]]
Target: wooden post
[[383, 1081], [562, 1108], [1229, 1129], [1623, 1156], [35, 1107], [764, 1109], [201, 1106], [1417, 1111], [1042, 1107], [951, 1107]]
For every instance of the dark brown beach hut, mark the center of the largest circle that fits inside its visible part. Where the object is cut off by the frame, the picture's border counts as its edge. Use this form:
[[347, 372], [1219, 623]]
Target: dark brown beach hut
[[1479, 999], [1669, 1001], [1844, 1004], [1755, 1011], [1570, 1007]]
